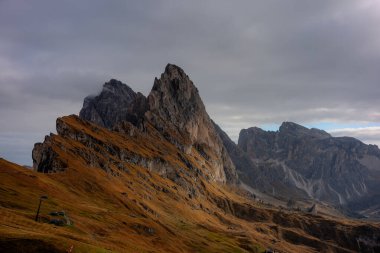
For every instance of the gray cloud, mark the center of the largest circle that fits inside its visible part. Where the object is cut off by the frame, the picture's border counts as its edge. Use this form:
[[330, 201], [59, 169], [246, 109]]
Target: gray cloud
[[369, 135], [254, 62]]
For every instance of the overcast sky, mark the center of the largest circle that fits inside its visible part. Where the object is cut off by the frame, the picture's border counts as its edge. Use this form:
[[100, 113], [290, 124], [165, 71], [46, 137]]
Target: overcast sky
[[255, 63]]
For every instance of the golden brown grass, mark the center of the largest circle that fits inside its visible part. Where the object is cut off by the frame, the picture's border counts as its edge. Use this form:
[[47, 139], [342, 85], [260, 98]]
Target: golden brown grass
[[138, 210]]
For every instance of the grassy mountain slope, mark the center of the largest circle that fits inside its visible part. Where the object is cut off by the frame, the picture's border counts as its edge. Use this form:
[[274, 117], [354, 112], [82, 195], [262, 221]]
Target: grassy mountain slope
[[118, 205]]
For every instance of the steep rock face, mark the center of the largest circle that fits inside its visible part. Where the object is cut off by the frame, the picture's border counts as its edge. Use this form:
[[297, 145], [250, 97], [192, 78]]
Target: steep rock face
[[82, 143], [239, 158], [174, 108], [45, 159], [174, 102], [309, 163], [116, 103], [177, 110]]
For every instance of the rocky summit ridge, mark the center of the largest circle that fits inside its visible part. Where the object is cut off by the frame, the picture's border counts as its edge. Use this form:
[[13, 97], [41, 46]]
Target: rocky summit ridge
[[173, 107], [116, 103], [297, 162], [176, 108]]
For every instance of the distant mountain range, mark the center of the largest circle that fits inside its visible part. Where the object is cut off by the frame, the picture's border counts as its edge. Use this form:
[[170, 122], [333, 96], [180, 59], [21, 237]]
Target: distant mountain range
[[301, 163], [156, 174]]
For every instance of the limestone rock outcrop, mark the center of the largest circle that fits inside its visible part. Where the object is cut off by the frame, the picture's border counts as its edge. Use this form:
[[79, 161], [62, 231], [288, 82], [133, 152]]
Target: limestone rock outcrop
[[177, 110], [116, 103], [173, 108]]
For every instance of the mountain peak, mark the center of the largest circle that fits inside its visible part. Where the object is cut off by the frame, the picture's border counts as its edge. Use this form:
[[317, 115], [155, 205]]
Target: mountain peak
[[176, 107], [174, 81], [174, 71], [116, 102], [118, 88], [291, 126], [174, 96], [173, 107], [296, 129], [113, 83]]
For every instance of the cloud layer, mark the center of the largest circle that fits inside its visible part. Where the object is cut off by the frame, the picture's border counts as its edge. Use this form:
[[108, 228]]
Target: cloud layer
[[254, 62], [369, 135]]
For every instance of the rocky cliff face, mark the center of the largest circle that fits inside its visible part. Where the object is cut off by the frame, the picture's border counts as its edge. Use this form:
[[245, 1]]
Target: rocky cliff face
[[173, 108], [309, 163], [80, 143], [240, 159], [116, 103], [176, 109]]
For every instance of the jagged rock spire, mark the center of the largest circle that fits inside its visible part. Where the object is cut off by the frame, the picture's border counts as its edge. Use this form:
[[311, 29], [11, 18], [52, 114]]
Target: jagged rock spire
[[176, 107], [173, 107], [116, 102]]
